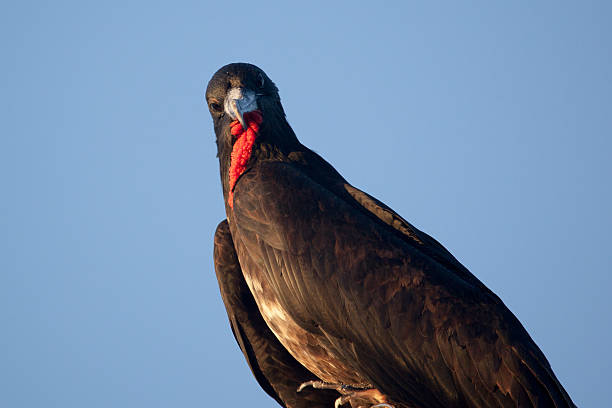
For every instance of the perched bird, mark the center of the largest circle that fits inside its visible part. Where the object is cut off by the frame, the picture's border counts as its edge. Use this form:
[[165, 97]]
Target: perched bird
[[333, 297]]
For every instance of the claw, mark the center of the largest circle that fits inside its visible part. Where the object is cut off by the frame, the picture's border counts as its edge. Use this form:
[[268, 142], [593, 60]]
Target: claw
[[305, 384], [347, 398], [342, 400], [349, 392], [320, 385]]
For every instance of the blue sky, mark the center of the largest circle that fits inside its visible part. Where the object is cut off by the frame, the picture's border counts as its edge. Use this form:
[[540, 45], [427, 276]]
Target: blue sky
[[486, 125]]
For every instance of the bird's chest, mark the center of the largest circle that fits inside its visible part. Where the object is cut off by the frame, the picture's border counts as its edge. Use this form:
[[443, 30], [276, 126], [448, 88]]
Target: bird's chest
[[262, 271]]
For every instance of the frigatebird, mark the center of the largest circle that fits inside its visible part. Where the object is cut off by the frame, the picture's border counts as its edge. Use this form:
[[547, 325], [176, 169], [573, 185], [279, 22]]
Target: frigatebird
[[333, 297]]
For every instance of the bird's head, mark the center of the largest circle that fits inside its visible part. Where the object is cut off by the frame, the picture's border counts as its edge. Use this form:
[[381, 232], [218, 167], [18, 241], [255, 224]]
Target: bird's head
[[246, 111], [237, 89]]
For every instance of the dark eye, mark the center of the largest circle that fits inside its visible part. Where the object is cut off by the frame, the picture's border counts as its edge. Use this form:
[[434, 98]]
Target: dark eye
[[261, 81], [214, 106]]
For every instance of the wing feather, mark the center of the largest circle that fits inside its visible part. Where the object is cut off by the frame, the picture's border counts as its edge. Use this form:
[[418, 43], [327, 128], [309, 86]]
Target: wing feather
[[384, 295], [276, 371]]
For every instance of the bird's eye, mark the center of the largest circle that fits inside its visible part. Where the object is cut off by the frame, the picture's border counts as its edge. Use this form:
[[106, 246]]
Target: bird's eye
[[261, 81], [214, 106]]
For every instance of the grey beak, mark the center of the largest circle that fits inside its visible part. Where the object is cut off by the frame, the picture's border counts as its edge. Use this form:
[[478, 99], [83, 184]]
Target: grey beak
[[235, 112], [239, 101]]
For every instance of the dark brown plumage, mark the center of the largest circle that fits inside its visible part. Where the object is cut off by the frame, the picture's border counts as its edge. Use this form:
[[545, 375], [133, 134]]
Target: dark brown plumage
[[278, 373], [322, 281]]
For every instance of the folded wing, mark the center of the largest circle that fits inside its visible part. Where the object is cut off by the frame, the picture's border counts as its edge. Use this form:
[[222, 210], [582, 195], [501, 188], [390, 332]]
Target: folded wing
[[276, 371], [386, 298]]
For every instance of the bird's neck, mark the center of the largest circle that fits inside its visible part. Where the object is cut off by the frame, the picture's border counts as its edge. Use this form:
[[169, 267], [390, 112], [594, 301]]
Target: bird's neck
[[270, 138]]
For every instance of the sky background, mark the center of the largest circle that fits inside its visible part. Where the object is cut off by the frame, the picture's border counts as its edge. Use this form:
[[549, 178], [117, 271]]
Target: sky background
[[487, 125]]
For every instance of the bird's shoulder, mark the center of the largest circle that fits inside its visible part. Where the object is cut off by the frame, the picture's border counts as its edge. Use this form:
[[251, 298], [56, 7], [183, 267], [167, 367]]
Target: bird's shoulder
[[306, 188], [340, 246], [309, 208]]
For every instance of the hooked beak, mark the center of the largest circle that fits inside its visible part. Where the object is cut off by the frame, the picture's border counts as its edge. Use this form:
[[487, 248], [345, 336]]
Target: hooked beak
[[239, 101]]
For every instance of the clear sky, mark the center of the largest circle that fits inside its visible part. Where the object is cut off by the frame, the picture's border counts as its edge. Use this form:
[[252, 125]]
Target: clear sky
[[488, 126]]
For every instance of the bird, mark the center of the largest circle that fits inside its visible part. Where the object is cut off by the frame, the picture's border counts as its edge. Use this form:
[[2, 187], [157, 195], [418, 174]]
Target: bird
[[334, 298]]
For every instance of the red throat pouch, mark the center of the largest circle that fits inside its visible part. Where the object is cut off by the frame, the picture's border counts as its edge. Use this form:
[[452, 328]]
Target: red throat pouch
[[241, 152]]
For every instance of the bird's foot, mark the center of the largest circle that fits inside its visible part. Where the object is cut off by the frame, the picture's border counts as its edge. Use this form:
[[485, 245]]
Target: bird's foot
[[358, 397], [366, 398], [322, 385]]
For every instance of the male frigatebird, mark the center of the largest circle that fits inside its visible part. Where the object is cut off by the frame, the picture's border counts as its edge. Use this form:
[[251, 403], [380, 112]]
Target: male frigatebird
[[333, 297]]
